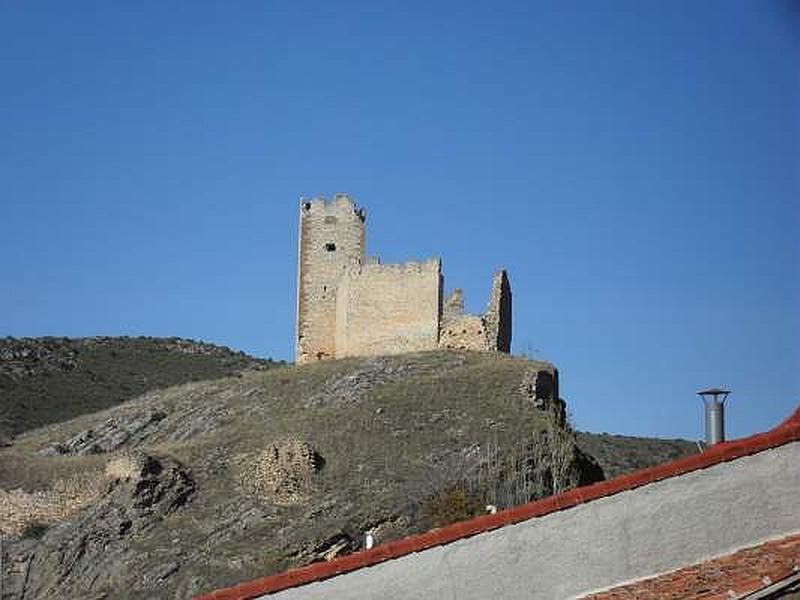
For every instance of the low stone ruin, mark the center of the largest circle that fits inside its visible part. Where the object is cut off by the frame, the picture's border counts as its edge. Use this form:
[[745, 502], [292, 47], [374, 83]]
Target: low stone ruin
[[20, 509], [540, 387], [282, 472]]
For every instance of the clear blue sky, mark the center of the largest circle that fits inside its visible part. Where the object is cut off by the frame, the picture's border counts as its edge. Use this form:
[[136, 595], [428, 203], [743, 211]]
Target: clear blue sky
[[634, 165]]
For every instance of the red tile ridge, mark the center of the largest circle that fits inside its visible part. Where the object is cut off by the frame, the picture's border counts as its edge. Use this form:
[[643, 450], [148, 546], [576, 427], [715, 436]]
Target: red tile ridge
[[786, 432]]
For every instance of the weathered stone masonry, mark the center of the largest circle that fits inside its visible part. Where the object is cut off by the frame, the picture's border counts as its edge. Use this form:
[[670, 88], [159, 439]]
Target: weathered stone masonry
[[350, 305]]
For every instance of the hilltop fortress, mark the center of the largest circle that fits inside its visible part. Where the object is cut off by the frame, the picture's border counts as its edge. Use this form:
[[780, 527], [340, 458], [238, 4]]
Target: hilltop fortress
[[352, 305]]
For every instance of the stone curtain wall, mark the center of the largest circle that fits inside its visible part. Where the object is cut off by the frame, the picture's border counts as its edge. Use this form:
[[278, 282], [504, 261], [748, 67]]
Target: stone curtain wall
[[331, 240], [389, 309]]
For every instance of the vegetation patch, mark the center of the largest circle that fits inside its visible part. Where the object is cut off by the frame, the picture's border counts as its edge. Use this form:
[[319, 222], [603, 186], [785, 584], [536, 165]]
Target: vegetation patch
[[51, 379], [454, 504]]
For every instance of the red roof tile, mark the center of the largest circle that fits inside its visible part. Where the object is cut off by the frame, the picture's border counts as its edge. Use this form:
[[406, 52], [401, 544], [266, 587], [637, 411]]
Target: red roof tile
[[725, 578], [786, 432]]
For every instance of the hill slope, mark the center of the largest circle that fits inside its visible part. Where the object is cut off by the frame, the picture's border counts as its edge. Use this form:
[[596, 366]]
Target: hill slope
[[47, 380], [620, 454], [183, 489], [205, 484]]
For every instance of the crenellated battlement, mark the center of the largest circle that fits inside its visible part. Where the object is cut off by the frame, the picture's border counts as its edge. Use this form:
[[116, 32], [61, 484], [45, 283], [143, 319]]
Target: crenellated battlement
[[352, 305], [340, 203]]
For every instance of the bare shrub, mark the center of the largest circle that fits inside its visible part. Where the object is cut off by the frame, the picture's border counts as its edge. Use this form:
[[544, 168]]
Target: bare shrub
[[453, 504], [542, 466]]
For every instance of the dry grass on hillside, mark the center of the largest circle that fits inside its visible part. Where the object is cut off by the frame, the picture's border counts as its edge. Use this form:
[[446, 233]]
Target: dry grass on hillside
[[278, 468]]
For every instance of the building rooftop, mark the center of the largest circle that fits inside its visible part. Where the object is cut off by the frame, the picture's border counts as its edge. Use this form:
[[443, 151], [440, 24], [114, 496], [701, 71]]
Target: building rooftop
[[787, 432], [771, 568]]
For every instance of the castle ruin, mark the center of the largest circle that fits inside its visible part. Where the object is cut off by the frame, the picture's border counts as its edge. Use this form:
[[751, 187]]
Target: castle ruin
[[352, 305]]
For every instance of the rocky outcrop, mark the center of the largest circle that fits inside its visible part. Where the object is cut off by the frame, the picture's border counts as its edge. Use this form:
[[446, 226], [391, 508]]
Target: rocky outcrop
[[87, 556], [111, 435], [540, 387], [351, 387], [29, 357], [6, 436]]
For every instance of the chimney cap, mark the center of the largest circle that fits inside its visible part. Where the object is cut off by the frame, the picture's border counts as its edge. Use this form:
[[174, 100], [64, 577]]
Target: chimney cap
[[715, 392]]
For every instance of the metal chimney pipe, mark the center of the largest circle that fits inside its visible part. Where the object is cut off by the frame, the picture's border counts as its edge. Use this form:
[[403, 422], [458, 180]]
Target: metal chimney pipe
[[715, 422], [715, 414]]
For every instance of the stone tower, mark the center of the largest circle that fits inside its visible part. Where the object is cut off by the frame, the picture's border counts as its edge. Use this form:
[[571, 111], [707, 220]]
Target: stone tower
[[330, 241]]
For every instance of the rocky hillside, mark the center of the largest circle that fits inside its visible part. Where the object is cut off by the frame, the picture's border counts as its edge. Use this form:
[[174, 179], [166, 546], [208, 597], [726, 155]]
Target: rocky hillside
[[186, 489], [118, 485], [47, 380], [619, 454]]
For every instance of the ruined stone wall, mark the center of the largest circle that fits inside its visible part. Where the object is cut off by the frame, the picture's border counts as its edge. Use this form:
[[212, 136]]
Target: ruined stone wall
[[498, 314], [19, 508], [489, 331], [453, 306], [461, 331], [389, 309], [464, 332], [331, 240]]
